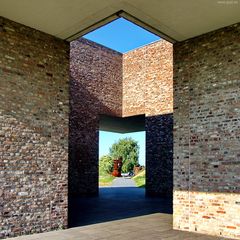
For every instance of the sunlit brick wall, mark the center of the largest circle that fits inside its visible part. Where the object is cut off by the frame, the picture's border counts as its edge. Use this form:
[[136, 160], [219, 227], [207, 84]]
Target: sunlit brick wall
[[207, 133]]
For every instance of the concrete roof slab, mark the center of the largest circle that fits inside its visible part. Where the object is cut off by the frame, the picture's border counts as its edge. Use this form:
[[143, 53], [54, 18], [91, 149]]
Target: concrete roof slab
[[172, 19]]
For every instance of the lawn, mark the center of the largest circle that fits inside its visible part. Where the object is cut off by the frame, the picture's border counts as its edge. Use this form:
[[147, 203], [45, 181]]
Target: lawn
[[140, 179], [105, 180]]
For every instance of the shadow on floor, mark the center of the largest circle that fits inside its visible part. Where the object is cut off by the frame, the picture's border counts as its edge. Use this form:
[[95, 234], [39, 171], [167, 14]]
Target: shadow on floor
[[115, 203]]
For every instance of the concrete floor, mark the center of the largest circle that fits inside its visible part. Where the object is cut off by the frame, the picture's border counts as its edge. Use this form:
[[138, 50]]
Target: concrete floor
[[119, 212], [115, 203], [156, 226]]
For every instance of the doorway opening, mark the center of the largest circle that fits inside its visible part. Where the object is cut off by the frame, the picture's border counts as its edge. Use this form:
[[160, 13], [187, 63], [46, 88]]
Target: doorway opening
[[122, 144]]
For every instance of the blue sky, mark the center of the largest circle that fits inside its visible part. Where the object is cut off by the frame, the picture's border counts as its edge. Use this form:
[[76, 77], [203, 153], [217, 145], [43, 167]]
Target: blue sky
[[121, 35]]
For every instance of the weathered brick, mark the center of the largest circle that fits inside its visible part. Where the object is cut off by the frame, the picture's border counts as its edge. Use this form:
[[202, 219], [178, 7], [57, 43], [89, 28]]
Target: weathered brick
[[95, 88], [33, 174], [115, 84], [148, 89], [34, 124], [207, 133]]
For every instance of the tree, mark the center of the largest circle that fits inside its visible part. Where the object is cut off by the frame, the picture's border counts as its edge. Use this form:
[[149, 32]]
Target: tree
[[128, 149], [106, 164]]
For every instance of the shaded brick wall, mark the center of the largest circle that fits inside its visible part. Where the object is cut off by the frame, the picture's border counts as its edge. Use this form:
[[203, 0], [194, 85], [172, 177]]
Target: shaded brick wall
[[207, 133], [33, 130], [95, 88], [159, 155], [148, 89]]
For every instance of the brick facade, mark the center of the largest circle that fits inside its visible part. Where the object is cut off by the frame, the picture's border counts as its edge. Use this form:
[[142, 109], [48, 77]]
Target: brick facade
[[148, 89], [148, 80], [207, 133], [159, 155], [95, 88], [33, 130], [34, 110], [110, 83]]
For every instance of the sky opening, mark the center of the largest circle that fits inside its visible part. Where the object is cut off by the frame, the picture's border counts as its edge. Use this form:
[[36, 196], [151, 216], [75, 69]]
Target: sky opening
[[121, 35]]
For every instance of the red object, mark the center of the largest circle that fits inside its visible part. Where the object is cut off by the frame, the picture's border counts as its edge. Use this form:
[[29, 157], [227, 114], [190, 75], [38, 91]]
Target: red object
[[117, 167]]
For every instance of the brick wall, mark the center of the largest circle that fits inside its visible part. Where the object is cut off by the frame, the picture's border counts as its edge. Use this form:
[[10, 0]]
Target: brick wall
[[138, 82], [159, 155], [148, 80], [207, 133], [33, 130], [134, 76], [148, 89], [34, 124], [95, 88]]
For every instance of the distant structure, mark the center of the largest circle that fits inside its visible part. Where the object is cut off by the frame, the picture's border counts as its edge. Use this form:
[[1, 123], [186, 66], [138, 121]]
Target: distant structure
[[117, 167]]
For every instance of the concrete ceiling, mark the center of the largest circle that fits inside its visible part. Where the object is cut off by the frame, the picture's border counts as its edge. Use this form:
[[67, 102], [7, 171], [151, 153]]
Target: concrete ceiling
[[122, 125], [174, 20]]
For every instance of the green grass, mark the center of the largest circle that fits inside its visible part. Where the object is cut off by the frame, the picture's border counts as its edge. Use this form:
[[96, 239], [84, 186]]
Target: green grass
[[105, 180], [140, 179]]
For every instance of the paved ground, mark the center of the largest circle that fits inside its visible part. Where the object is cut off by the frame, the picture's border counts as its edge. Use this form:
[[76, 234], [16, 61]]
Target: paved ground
[[115, 203], [123, 182], [150, 227], [119, 213]]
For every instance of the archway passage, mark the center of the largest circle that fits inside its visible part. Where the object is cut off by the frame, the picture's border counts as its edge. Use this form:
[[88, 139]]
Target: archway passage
[[122, 151], [122, 199]]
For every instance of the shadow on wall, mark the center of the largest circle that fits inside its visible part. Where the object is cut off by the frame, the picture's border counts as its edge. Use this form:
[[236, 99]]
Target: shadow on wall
[[84, 139], [95, 88], [159, 155]]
